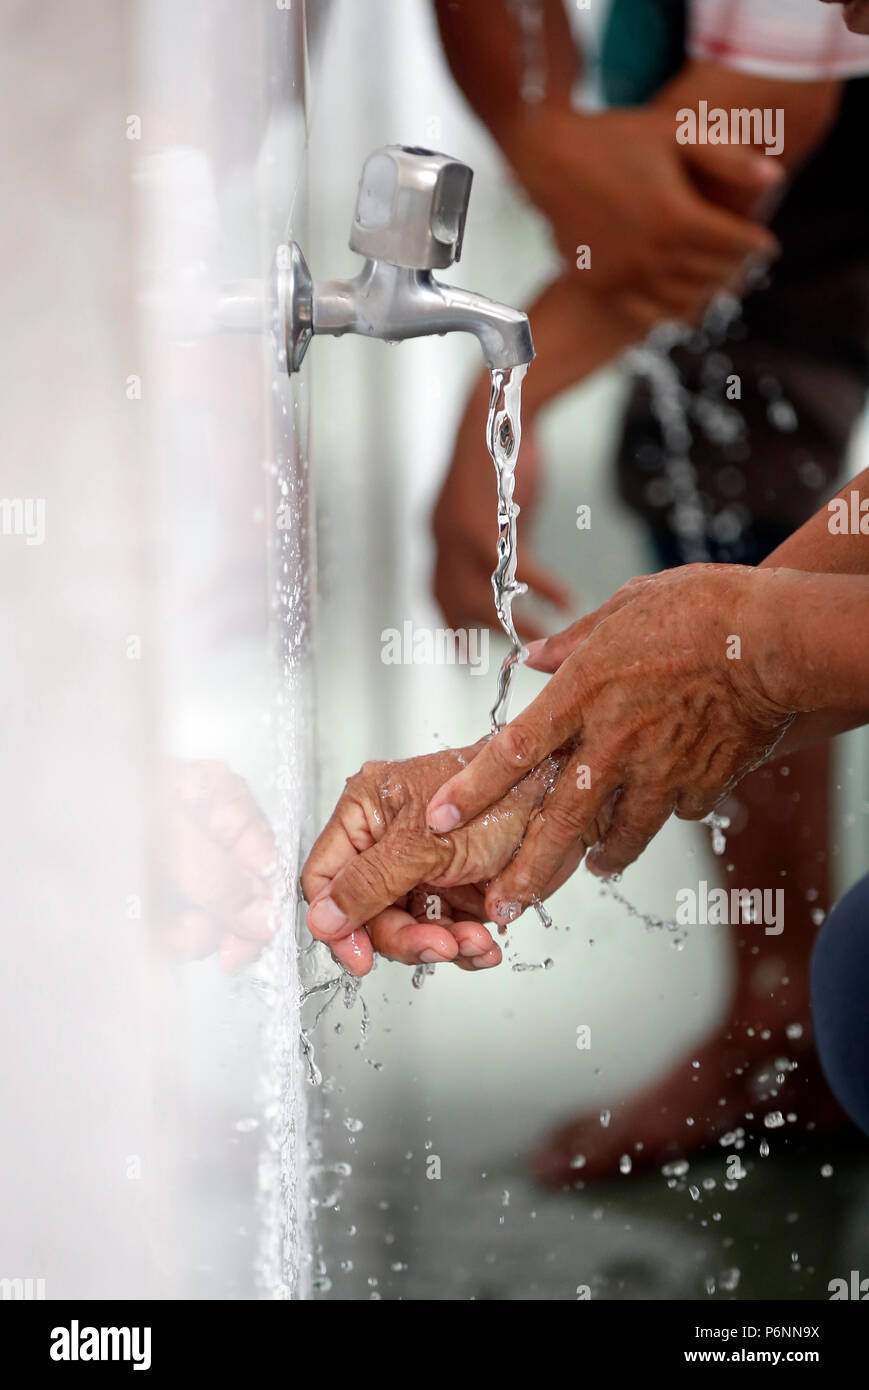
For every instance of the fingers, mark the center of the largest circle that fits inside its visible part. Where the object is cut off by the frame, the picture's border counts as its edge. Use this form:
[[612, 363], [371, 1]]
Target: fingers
[[208, 878], [343, 836], [736, 164], [714, 229], [545, 725], [399, 937], [477, 949], [695, 805], [549, 654], [637, 817], [702, 268], [373, 880], [570, 818], [354, 952], [235, 821]]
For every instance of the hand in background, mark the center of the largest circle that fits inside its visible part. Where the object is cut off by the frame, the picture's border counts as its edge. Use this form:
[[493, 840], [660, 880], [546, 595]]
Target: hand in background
[[619, 183]]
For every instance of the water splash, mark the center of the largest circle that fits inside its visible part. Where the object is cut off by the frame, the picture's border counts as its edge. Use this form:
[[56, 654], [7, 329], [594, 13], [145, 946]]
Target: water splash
[[608, 889], [717, 826], [653, 364], [522, 965]]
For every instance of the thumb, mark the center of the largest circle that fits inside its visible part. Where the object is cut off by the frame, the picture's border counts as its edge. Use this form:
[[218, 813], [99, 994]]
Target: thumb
[[735, 164], [373, 880], [548, 654]]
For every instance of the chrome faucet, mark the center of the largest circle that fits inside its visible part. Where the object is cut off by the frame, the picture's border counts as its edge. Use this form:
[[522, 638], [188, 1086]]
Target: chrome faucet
[[409, 220]]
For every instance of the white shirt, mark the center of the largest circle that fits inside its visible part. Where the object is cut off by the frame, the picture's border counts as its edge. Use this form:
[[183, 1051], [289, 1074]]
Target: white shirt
[[796, 39]]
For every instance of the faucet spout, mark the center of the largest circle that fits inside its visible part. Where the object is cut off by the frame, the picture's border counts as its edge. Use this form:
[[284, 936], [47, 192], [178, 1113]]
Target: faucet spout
[[410, 220], [394, 303]]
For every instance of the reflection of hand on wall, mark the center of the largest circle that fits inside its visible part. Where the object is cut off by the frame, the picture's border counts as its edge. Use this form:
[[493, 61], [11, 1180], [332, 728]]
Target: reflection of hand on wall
[[218, 854]]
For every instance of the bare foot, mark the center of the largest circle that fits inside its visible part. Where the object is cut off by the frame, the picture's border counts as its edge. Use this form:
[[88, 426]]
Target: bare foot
[[766, 1084]]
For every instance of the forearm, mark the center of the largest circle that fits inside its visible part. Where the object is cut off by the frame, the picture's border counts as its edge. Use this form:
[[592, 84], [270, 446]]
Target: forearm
[[484, 47], [829, 542], [806, 637]]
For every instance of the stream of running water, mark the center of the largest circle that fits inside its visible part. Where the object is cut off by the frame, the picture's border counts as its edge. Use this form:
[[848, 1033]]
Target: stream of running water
[[503, 437]]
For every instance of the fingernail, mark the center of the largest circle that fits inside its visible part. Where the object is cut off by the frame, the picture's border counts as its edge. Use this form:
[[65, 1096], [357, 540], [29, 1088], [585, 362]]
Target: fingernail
[[482, 964], [469, 949], [325, 918], [444, 817], [432, 958], [533, 649], [258, 919]]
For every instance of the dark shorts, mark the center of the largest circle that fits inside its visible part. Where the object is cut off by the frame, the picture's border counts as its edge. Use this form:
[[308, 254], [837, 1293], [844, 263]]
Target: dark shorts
[[840, 991], [754, 542]]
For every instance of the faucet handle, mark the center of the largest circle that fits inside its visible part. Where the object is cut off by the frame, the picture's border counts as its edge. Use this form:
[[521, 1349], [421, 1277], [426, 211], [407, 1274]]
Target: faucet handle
[[411, 208]]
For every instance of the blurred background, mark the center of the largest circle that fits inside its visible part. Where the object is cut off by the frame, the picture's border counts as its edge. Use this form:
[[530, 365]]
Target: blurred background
[[223, 549]]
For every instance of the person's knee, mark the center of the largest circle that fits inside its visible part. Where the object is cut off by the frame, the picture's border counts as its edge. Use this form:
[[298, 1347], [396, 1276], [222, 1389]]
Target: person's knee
[[840, 991]]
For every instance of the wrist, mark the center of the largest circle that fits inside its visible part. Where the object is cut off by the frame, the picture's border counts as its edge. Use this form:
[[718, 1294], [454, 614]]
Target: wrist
[[533, 138], [773, 639]]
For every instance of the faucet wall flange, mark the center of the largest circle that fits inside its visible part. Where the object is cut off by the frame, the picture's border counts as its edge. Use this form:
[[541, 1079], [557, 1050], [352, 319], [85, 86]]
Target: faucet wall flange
[[295, 292]]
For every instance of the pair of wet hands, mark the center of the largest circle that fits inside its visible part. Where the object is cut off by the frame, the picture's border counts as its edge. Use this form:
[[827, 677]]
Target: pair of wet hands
[[643, 717]]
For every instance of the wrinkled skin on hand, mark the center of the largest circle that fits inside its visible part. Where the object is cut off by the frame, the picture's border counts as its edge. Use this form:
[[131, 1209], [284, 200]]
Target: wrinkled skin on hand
[[378, 879], [650, 718]]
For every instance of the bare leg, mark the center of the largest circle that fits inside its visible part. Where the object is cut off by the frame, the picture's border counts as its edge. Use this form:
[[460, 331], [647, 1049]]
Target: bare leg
[[778, 839]]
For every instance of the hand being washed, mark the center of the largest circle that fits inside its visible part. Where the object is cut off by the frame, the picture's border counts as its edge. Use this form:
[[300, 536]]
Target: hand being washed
[[654, 709], [379, 880]]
